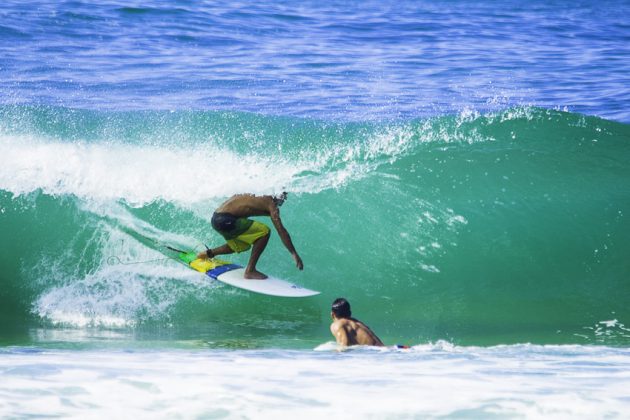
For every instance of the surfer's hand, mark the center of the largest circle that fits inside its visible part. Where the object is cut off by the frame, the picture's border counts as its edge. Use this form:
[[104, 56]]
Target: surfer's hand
[[298, 262]]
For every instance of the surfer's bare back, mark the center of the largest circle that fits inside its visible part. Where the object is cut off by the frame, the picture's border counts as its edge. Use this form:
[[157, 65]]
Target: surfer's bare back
[[231, 221]]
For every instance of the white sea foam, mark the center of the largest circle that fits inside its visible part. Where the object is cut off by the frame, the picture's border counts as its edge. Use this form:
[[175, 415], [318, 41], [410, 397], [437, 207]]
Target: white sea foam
[[117, 292], [117, 296], [431, 380]]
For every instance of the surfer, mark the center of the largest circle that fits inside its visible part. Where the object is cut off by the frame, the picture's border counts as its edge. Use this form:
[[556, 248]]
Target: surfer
[[349, 331], [231, 221]]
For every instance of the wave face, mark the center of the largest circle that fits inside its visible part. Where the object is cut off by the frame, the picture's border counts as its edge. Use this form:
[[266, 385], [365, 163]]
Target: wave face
[[510, 226]]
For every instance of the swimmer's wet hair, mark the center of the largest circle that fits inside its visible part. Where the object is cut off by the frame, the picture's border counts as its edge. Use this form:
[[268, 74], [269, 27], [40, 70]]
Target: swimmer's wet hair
[[341, 308]]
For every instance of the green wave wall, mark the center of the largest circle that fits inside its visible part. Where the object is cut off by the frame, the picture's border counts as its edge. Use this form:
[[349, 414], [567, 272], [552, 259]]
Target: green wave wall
[[476, 228]]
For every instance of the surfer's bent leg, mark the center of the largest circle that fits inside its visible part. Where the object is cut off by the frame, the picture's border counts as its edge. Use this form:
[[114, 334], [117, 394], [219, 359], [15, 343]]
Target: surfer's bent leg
[[211, 253], [222, 250], [244, 234], [256, 235], [230, 227], [257, 250]]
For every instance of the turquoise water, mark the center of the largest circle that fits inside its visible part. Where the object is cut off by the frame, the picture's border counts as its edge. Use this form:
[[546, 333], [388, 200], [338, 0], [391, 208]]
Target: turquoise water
[[458, 171], [494, 228]]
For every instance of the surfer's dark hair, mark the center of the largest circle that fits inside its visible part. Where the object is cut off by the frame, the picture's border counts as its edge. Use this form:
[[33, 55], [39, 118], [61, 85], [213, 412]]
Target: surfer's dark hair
[[341, 308], [279, 199]]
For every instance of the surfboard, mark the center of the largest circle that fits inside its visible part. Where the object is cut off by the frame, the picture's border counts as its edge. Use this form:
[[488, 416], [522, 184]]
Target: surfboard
[[233, 275]]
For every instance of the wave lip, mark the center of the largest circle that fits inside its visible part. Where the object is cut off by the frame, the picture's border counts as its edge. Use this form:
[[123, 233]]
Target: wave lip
[[137, 174]]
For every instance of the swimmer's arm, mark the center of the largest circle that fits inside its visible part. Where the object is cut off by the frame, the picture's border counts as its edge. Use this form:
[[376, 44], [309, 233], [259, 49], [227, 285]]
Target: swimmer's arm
[[274, 214]]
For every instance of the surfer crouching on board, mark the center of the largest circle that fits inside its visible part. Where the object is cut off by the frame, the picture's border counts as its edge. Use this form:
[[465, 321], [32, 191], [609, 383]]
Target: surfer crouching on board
[[231, 221], [349, 331]]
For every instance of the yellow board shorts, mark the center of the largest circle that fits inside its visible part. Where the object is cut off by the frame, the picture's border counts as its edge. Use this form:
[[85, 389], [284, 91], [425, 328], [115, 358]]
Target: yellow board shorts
[[245, 240]]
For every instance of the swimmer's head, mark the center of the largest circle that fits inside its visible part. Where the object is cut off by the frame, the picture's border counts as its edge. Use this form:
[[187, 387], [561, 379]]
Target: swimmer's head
[[341, 308], [280, 198]]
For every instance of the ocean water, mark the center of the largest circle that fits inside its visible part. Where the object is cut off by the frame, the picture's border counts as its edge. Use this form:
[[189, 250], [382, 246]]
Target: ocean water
[[458, 171]]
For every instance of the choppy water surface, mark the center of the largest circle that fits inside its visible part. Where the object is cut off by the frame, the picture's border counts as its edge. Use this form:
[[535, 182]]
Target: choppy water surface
[[327, 60]]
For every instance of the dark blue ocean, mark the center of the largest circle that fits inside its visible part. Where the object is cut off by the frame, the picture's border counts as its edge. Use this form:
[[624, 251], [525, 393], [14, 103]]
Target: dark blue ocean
[[329, 60], [459, 170]]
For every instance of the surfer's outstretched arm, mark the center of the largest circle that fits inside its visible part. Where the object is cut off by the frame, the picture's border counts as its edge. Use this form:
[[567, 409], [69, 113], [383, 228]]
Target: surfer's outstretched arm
[[274, 214]]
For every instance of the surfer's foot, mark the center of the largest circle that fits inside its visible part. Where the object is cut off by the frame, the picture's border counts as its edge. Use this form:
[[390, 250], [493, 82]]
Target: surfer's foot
[[255, 275]]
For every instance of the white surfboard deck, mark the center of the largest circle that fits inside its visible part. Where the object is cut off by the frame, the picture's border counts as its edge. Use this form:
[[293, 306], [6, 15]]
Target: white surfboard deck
[[234, 275], [271, 286]]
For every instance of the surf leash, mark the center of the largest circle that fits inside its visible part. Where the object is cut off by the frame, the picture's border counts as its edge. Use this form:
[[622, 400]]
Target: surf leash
[[115, 260], [172, 249]]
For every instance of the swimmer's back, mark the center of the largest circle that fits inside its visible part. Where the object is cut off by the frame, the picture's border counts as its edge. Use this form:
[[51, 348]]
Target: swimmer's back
[[352, 332]]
